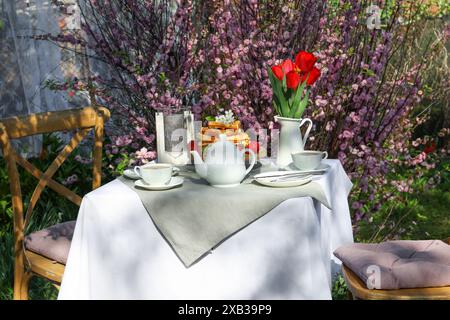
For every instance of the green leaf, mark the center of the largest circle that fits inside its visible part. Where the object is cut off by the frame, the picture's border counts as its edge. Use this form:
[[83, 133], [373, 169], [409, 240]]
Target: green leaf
[[283, 107], [302, 106], [283, 104], [295, 105], [274, 83], [276, 103], [289, 96], [273, 80]]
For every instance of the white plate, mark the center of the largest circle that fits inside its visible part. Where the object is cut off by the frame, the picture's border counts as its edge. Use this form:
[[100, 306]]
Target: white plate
[[283, 183], [322, 168], [130, 174], [174, 182]]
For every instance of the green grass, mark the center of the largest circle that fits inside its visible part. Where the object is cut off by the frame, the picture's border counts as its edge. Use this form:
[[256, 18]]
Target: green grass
[[340, 289], [423, 215], [434, 214]]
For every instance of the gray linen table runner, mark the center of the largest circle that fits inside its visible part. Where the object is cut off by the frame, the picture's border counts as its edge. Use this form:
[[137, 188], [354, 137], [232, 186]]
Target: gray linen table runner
[[195, 217]]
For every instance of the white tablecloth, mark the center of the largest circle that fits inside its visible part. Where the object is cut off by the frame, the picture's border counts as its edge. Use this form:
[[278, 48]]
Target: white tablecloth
[[117, 253]]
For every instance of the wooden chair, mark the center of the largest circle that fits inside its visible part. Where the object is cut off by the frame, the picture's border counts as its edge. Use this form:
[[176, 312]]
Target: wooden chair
[[26, 262], [359, 290]]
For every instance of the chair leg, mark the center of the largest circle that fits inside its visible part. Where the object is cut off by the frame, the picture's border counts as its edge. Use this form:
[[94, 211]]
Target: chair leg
[[21, 284], [24, 285], [19, 273], [21, 279], [350, 295]]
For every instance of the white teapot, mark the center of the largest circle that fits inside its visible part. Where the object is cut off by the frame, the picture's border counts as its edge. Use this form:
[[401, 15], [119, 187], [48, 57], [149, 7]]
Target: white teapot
[[224, 164]]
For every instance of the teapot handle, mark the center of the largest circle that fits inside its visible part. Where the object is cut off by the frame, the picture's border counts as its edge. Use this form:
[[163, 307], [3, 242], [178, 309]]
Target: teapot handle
[[305, 138], [252, 162]]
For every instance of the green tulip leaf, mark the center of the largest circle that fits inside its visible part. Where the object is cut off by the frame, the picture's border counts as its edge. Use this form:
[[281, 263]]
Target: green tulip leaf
[[288, 95], [295, 105], [272, 78], [280, 99], [277, 107], [274, 83], [302, 106], [277, 104]]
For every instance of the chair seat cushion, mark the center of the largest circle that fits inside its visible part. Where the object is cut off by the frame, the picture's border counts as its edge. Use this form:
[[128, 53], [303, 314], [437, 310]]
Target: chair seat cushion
[[399, 264], [53, 242]]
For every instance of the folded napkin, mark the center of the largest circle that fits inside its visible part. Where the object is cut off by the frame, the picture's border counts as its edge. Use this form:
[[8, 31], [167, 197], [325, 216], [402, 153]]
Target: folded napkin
[[196, 217]]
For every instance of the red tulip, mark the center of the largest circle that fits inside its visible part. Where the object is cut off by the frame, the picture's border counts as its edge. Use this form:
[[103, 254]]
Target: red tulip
[[292, 80], [305, 61], [313, 76], [299, 71], [287, 66], [278, 72]]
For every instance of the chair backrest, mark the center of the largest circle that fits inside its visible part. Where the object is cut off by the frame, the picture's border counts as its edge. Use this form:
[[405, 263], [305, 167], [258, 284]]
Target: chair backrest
[[80, 120]]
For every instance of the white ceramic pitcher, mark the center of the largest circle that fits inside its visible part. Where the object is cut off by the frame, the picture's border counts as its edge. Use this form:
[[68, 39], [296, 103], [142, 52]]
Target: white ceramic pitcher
[[291, 140]]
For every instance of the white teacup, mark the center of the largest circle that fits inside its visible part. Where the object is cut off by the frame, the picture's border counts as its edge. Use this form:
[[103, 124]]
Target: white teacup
[[155, 173], [308, 160]]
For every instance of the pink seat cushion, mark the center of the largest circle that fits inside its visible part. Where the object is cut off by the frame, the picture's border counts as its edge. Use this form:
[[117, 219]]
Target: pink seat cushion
[[53, 242], [400, 264]]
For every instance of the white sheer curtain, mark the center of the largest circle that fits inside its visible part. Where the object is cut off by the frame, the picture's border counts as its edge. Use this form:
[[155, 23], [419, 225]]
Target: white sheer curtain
[[26, 64]]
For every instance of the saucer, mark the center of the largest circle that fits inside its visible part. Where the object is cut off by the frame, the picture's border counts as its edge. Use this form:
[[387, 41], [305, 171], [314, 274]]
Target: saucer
[[283, 183], [130, 174], [174, 182], [322, 168]]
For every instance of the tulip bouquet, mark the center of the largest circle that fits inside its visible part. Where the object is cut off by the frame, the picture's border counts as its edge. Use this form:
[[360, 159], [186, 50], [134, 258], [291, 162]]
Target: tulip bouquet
[[289, 81]]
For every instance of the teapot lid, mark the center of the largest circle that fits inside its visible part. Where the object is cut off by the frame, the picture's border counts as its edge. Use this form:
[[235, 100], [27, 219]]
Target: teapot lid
[[223, 152]]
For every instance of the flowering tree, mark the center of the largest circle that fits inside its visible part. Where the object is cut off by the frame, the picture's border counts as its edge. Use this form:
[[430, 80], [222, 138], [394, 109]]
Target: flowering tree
[[213, 55], [148, 48], [363, 102], [244, 39]]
